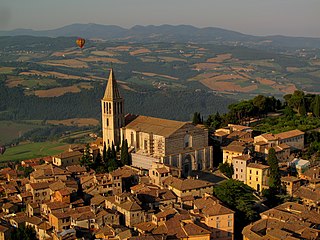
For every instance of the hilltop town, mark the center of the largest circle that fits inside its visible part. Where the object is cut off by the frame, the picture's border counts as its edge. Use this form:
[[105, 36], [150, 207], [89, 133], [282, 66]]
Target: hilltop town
[[152, 178]]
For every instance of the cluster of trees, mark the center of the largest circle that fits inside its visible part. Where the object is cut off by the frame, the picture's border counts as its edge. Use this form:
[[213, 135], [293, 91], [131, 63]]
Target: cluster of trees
[[241, 112], [226, 169], [302, 103], [109, 161], [197, 119], [23, 232], [239, 197]]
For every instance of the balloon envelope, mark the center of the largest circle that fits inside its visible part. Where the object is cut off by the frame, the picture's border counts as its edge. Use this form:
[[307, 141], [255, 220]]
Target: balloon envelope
[[2, 149], [80, 42]]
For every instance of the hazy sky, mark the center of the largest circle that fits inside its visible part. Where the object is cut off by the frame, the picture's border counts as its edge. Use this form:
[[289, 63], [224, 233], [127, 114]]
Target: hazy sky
[[258, 17]]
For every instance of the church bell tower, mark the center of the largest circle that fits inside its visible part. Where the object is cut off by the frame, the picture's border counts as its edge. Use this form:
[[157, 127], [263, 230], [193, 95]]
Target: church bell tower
[[112, 113]]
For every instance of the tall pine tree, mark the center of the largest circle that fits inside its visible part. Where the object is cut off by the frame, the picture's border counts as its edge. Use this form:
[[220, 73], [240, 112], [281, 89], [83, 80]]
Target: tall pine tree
[[86, 159], [125, 157], [274, 178]]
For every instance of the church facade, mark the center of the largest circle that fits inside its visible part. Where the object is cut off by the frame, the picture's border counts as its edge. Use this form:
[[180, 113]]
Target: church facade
[[175, 143]]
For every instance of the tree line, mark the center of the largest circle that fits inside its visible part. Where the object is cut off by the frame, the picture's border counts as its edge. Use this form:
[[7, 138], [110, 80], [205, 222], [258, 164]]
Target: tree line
[[240, 113], [108, 161]]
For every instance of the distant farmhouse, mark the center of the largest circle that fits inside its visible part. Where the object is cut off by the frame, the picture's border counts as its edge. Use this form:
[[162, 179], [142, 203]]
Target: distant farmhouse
[[179, 144]]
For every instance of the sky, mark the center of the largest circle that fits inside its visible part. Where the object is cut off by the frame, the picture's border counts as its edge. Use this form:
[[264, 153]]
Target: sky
[[256, 17]]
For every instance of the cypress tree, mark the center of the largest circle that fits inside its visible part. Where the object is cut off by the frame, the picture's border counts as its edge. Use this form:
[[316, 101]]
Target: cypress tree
[[274, 178], [125, 157], [86, 159]]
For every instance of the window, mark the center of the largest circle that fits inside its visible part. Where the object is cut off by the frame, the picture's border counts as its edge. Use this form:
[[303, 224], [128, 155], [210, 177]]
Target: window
[[218, 225], [187, 140], [257, 173], [107, 122], [257, 179], [250, 171], [145, 144], [229, 223], [241, 170], [236, 169]]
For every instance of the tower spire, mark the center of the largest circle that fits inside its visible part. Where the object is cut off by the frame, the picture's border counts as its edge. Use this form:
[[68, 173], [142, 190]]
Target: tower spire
[[112, 112], [112, 91]]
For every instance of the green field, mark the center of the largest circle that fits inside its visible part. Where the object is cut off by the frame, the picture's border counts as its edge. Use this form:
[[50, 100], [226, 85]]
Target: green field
[[10, 130], [33, 150]]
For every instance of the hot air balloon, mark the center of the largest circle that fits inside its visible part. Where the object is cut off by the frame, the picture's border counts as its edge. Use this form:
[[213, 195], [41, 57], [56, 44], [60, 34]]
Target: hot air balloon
[[80, 42], [2, 149]]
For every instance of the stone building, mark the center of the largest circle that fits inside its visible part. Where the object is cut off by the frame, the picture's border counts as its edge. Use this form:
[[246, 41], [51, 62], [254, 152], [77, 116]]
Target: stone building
[[179, 144], [257, 176]]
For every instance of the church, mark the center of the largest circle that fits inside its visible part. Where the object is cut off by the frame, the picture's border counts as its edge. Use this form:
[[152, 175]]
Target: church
[[175, 143]]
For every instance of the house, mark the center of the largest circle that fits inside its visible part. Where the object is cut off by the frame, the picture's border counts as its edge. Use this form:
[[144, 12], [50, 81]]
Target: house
[[219, 218], [49, 207], [291, 184], [300, 166], [61, 220], [32, 209], [240, 164], [156, 197], [107, 216], [128, 206], [257, 176], [308, 196], [231, 133], [310, 174], [67, 158], [158, 173], [48, 173], [293, 138], [40, 191], [186, 187], [85, 220], [234, 149]]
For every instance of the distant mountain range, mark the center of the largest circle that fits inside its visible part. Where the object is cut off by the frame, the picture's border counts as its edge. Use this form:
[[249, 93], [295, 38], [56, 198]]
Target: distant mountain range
[[170, 33]]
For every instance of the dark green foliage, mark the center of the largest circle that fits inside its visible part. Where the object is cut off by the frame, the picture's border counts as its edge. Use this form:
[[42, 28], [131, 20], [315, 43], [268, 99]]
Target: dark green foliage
[[214, 121], [25, 233], [97, 163], [239, 197], [226, 169], [274, 177], [240, 113], [86, 159], [125, 156], [196, 118]]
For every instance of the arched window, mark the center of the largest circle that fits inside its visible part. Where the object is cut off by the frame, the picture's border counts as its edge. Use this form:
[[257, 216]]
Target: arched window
[[187, 140]]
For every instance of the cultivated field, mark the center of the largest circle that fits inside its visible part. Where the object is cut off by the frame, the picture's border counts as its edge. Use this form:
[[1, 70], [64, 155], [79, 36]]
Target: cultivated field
[[33, 150]]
